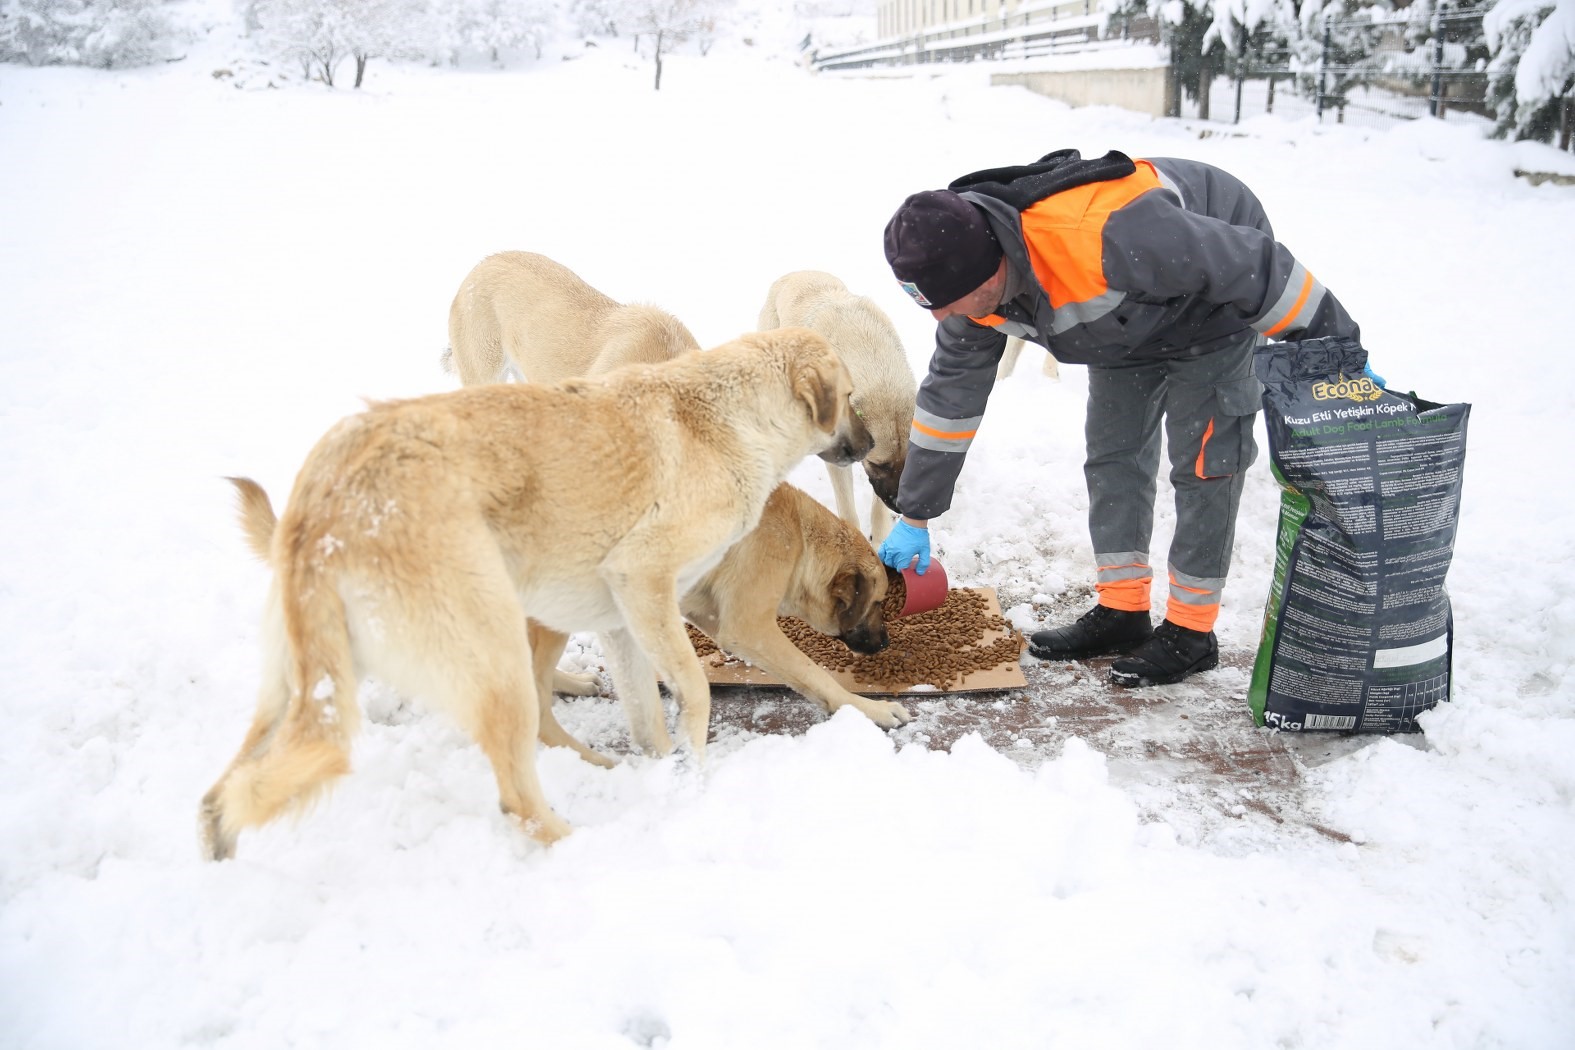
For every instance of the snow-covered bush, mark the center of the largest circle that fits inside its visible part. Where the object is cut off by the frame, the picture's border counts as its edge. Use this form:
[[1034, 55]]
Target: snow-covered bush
[[107, 34], [494, 27], [1532, 74]]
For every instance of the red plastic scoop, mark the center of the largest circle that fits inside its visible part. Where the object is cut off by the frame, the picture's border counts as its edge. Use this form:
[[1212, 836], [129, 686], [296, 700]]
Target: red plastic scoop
[[924, 592]]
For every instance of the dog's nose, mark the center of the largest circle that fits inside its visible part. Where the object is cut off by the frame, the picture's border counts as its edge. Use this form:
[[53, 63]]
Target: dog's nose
[[844, 453], [867, 642], [862, 441], [885, 480]]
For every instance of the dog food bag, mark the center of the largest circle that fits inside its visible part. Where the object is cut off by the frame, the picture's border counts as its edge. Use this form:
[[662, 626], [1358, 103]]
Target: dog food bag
[[1357, 630]]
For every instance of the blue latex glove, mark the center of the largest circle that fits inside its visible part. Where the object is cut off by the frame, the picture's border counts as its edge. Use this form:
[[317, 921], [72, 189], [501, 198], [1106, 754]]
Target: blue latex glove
[[1377, 379], [904, 543]]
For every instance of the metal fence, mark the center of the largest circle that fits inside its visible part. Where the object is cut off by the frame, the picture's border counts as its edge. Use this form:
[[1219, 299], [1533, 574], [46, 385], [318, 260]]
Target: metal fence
[[1381, 69], [1374, 70], [1033, 30]]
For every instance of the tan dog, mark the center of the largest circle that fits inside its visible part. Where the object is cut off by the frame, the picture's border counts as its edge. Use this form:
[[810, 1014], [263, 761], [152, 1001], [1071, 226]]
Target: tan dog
[[419, 530], [883, 383], [801, 560], [525, 312], [1014, 347]]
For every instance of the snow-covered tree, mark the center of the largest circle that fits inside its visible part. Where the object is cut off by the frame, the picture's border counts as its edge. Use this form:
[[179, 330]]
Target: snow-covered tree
[[665, 24], [386, 29], [596, 17], [321, 34], [1336, 46], [311, 32], [1439, 36], [1532, 74], [108, 34], [493, 27], [1195, 56]]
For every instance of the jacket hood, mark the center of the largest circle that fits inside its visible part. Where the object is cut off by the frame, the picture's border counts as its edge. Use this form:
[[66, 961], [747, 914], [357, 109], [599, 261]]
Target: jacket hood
[[1021, 185]]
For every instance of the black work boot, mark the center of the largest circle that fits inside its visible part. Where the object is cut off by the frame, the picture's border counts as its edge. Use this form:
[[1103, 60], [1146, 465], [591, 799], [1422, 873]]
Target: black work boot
[[1171, 655], [1100, 631]]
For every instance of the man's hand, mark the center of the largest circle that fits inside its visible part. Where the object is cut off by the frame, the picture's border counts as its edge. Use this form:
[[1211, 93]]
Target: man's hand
[[1377, 379], [905, 542]]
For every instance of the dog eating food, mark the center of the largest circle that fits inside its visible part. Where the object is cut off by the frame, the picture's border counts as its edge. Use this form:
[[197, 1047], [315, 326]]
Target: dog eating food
[[938, 648]]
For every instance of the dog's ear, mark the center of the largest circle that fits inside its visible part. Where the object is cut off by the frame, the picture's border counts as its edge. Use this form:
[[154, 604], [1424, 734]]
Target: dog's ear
[[844, 590], [816, 386]]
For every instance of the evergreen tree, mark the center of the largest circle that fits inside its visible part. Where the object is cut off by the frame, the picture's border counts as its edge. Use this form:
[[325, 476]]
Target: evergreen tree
[[1531, 77]]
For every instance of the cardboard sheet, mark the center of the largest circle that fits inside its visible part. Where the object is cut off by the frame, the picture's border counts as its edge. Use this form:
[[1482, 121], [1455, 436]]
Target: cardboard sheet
[[722, 671]]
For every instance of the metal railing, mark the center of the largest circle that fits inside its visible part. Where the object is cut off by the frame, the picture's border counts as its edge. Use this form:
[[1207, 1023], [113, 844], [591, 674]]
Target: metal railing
[[1372, 69], [1031, 31]]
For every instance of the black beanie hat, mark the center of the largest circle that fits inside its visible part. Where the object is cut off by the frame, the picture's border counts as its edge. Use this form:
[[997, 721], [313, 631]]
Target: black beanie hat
[[940, 248]]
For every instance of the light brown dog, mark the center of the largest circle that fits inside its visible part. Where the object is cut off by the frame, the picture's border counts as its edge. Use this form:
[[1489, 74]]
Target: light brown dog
[[801, 560], [883, 383], [524, 312], [419, 530]]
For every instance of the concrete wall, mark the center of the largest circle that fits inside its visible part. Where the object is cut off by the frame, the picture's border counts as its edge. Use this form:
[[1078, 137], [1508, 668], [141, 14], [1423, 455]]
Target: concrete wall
[[1145, 90]]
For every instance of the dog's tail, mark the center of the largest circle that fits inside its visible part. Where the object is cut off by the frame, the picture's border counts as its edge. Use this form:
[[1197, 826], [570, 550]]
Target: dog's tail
[[293, 753], [300, 739], [256, 514]]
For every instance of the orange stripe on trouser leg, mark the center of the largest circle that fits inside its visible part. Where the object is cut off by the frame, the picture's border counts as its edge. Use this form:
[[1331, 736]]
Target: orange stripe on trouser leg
[[1192, 617], [1125, 595], [1203, 449]]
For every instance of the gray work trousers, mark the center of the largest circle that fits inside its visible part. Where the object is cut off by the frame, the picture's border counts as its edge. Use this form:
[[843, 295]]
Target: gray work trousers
[[1208, 403]]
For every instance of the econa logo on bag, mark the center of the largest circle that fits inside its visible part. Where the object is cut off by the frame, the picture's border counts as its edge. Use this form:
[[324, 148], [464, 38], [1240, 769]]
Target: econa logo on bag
[[1359, 389]]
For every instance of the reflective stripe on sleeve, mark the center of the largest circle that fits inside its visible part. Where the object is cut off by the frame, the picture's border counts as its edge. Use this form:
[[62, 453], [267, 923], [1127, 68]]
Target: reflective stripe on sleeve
[[942, 435], [1295, 307]]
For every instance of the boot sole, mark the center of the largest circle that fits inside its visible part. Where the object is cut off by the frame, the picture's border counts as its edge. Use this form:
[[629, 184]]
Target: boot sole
[[1083, 654], [1127, 680]]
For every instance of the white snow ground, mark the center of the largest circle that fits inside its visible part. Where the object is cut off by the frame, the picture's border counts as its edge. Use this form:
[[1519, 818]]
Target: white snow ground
[[197, 280]]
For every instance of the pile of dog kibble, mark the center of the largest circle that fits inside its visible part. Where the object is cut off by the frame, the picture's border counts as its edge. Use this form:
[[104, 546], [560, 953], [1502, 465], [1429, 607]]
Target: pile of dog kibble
[[938, 648]]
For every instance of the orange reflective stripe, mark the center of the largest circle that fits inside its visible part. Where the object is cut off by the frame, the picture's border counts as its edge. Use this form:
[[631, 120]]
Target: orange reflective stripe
[[944, 435], [1202, 449], [988, 319], [1301, 301], [1125, 595], [1189, 590], [1192, 617], [1065, 234]]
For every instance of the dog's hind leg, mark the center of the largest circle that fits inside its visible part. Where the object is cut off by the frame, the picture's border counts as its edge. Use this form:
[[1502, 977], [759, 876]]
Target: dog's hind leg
[[476, 656], [842, 491], [505, 721], [546, 648]]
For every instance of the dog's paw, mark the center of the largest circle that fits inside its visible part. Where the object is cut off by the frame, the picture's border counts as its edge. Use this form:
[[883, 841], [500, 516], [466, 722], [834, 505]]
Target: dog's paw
[[573, 684], [888, 714]]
